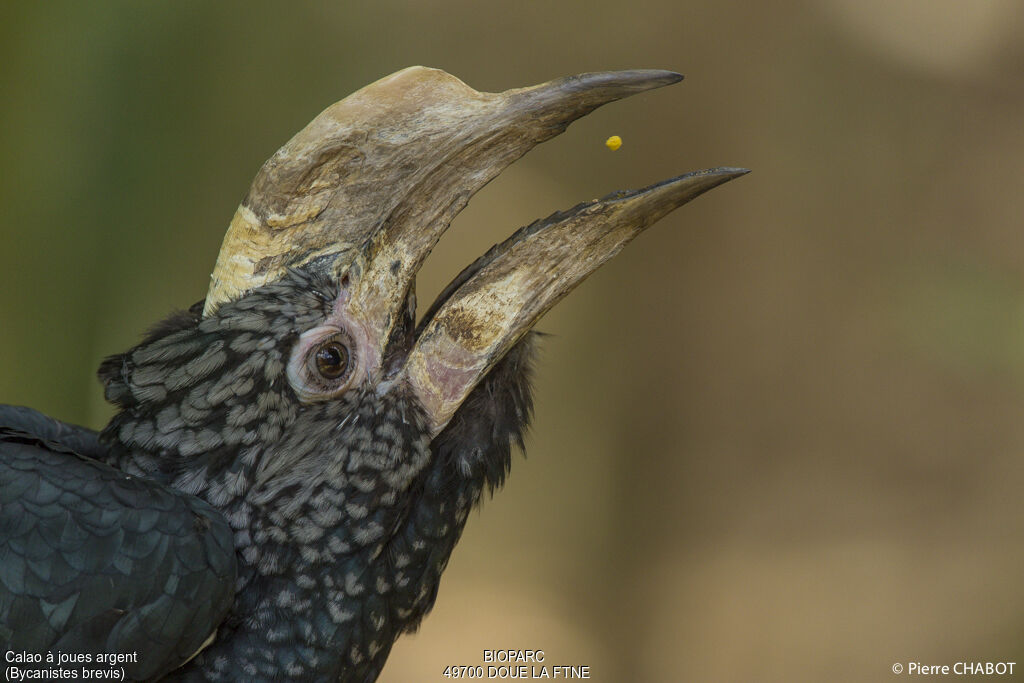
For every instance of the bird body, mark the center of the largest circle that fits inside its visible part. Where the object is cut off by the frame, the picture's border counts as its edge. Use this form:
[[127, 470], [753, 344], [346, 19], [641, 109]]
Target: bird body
[[294, 458]]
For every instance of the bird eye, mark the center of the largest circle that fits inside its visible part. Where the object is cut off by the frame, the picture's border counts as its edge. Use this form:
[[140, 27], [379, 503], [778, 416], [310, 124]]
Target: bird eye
[[331, 359], [323, 363]]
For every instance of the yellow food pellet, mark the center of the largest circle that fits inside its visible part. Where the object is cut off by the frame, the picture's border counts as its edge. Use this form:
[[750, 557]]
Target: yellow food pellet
[[613, 143]]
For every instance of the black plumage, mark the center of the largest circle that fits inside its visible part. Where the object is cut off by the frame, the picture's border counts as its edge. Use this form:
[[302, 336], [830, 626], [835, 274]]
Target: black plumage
[[294, 459], [98, 561], [352, 491]]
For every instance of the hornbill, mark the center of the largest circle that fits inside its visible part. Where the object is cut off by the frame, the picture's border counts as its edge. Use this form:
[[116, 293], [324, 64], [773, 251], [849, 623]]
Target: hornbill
[[294, 458]]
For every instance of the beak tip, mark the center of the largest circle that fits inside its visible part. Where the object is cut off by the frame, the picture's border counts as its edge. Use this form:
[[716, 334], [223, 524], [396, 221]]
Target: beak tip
[[658, 76], [588, 91], [652, 203], [699, 181], [632, 81], [692, 185], [724, 174]]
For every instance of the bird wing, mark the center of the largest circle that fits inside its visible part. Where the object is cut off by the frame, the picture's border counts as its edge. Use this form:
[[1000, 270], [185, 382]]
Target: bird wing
[[93, 560], [81, 440]]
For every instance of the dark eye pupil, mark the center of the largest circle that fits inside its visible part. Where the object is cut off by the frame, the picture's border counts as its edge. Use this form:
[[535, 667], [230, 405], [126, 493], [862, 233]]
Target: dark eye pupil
[[332, 360]]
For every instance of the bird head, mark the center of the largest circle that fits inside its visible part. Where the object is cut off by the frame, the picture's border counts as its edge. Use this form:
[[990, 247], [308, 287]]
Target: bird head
[[311, 307], [310, 317], [302, 397]]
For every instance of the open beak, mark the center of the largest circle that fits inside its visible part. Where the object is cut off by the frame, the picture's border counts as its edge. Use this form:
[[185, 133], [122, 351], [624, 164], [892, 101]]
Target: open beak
[[364, 192]]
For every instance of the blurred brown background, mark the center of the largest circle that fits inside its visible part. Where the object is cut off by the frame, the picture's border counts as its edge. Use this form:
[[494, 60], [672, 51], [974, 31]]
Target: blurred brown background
[[779, 438]]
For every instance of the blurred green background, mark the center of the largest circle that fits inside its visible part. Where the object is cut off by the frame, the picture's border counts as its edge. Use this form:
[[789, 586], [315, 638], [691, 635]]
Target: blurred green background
[[778, 438]]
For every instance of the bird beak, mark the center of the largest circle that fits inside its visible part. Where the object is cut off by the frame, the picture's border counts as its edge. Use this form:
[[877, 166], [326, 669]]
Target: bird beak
[[374, 180], [364, 192], [496, 301]]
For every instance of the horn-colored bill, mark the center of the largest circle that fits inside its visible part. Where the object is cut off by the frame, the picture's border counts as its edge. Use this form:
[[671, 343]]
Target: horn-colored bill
[[380, 175], [499, 298]]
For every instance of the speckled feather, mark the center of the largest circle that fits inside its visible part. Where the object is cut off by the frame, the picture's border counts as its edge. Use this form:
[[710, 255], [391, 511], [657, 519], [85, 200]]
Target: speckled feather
[[344, 512]]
